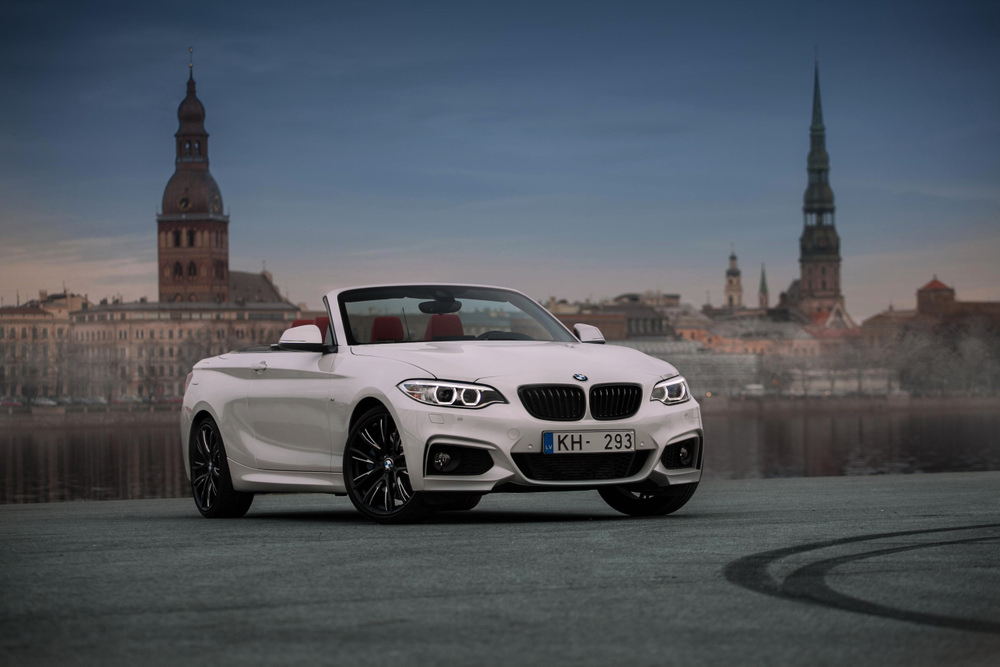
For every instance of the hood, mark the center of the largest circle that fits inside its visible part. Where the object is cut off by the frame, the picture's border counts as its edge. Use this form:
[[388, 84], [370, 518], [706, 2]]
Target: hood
[[527, 361]]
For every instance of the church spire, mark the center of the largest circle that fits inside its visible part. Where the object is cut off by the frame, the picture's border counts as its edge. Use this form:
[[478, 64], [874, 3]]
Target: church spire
[[819, 244], [818, 205], [817, 123], [191, 137], [763, 299]]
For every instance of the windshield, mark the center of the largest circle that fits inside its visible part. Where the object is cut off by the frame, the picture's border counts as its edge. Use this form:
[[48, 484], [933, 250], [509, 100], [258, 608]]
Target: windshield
[[379, 315]]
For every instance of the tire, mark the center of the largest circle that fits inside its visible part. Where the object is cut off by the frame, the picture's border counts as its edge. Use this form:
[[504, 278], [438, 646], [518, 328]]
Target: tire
[[453, 502], [211, 483], [375, 471], [644, 503]]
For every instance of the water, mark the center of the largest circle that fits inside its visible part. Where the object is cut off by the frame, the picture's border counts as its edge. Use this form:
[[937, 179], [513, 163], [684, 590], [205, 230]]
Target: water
[[144, 461], [91, 463], [864, 443]]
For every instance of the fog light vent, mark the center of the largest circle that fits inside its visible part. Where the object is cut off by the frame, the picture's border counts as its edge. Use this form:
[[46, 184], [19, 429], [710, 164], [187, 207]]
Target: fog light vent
[[443, 461], [457, 460], [684, 454]]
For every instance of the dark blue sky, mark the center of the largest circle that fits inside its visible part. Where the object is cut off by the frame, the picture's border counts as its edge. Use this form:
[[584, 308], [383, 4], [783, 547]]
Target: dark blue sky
[[574, 149]]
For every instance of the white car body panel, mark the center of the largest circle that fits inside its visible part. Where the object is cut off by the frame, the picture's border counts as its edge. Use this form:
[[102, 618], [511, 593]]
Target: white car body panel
[[285, 415]]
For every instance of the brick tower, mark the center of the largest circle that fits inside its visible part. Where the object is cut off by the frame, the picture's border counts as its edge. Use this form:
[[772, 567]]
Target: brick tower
[[193, 238], [734, 283]]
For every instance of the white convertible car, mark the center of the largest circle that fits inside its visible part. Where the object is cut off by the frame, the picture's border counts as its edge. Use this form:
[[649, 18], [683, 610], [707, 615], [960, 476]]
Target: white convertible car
[[416, 398]]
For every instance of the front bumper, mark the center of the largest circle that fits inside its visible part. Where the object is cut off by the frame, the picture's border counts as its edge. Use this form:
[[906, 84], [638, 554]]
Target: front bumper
[[513, 440]]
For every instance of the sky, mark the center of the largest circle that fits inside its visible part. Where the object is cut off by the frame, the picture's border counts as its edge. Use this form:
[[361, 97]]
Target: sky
[[570, 149]]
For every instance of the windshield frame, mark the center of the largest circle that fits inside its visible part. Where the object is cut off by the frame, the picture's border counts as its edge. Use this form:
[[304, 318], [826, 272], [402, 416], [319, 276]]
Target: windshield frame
[[556, 329]]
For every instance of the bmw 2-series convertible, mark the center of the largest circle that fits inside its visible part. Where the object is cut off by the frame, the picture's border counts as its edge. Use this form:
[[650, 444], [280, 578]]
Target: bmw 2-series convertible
[[418, 398]]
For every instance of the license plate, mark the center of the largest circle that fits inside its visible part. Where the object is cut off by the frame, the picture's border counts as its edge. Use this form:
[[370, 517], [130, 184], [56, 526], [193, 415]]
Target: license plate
[[576, 442]]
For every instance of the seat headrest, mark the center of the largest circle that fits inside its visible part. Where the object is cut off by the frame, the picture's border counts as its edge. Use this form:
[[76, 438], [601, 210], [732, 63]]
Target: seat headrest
[[387, 328], [444, 326]]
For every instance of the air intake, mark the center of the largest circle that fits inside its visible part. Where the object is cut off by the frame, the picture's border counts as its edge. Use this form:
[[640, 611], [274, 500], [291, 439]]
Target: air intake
[[580, 467], [614, 401], [554, 402]]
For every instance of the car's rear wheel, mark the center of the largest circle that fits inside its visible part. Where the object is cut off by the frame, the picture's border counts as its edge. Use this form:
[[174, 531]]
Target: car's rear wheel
[[636, 502], [211, 483], [375, 471]]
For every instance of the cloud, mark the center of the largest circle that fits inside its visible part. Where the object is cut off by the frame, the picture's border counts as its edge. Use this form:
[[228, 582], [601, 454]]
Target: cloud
[[97, 267]]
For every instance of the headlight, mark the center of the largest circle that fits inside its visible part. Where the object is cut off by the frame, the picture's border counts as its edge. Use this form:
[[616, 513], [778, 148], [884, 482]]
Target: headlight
[[669, 392], [451, 394]]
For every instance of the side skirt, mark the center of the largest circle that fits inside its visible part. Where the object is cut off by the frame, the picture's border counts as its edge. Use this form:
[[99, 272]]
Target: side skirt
[[272, 481]]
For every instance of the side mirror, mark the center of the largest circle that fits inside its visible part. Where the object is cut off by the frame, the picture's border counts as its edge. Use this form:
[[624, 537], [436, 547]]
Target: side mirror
[[306, 338], [588, 334]]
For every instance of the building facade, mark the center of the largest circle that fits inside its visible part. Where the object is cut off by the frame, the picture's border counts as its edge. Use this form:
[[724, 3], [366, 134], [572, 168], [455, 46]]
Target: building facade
[[937, 307], [36, 346], [143, 350]]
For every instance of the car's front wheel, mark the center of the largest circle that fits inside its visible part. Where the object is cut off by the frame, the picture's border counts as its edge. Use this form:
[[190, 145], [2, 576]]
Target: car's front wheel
[[645, 503], [375, 471], [211, 483]]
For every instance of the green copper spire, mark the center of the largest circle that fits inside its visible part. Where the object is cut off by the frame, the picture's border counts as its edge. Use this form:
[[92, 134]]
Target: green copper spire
[[817, 124], [818, 204], [819, 244], [763, 281]]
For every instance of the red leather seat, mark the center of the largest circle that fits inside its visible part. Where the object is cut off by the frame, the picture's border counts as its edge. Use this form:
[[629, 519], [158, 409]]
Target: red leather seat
[[444, 326], [387, 328], [324, 325]]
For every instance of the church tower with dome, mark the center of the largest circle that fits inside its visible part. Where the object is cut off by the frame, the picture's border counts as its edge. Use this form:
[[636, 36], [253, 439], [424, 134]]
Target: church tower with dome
[[193, 232]]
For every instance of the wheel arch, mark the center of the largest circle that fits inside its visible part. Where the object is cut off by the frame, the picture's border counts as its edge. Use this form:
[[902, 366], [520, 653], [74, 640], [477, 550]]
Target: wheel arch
[[199, 415], [212, 488], [187, 431], [363, 406]]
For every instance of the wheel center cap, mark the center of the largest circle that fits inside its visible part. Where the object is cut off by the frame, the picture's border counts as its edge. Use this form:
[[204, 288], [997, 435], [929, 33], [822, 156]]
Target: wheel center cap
[[387, 464]]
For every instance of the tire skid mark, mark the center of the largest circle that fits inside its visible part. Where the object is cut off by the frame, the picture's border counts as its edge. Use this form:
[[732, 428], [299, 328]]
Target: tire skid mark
[[808, 583]]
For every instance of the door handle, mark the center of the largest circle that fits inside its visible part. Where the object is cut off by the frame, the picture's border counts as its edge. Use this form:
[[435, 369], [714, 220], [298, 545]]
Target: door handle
[[259, 367]]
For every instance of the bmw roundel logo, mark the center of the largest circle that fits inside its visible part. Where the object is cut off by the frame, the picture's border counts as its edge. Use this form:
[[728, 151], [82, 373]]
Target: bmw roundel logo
[[580, 377]]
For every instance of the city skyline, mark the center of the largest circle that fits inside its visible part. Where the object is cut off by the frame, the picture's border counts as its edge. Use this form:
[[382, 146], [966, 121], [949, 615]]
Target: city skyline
[[577, 151]]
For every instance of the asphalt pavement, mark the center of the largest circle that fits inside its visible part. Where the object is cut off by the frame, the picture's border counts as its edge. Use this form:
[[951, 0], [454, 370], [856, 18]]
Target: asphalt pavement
[[887, 570]]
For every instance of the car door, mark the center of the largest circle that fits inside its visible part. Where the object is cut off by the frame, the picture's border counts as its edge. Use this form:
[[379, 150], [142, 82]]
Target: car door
[[289, 400]]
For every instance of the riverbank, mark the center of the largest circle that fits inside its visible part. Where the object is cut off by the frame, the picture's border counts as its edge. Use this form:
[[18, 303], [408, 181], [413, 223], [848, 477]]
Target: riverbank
[[73, 416], [61, 416]]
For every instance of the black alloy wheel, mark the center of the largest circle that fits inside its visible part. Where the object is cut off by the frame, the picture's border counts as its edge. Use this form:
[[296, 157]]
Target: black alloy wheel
[[645, 503], [211, 483], [376, 474]]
